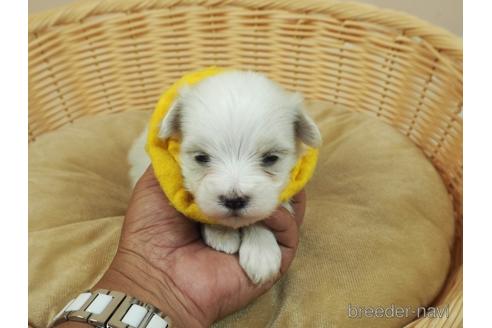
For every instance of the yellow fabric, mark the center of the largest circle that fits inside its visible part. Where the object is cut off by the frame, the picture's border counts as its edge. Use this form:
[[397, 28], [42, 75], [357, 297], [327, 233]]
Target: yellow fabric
[[377, 230], [164, 155]]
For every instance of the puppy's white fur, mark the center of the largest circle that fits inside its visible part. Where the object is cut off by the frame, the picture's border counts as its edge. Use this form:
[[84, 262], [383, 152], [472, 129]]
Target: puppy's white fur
[[221, 238], [240, 135]]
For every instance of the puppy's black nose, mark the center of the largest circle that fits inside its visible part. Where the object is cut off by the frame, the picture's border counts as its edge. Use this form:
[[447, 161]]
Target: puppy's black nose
[[234, 203]]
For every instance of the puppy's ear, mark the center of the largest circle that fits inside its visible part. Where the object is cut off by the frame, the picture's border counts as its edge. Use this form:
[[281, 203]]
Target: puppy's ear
[[170, 125], [304, 126]]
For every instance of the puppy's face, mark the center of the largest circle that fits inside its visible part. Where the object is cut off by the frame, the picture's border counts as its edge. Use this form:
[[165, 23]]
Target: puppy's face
[[241, 135]]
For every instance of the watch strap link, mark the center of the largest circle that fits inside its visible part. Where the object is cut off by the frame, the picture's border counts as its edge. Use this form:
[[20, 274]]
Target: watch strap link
[[112, 309]]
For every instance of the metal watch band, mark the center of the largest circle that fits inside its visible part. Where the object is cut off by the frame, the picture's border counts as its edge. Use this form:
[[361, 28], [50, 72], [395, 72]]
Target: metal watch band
[[104, 308]]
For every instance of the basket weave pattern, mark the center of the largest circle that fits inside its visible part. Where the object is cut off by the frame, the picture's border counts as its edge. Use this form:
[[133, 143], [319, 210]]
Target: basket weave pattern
[[112, 56]]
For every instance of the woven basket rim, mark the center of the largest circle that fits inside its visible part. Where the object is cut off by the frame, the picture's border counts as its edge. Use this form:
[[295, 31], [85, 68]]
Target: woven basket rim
[[439, 37], [445, 46]]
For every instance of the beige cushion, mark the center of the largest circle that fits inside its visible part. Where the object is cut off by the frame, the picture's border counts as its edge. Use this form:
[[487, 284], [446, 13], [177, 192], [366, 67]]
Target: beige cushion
[[377, 231]]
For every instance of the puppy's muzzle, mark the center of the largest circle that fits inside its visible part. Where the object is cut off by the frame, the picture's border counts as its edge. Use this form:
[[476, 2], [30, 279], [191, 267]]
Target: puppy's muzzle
[[234, 203]]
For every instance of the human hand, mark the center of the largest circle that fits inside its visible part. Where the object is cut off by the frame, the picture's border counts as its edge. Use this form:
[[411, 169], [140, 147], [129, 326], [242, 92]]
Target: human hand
[[162, 260]]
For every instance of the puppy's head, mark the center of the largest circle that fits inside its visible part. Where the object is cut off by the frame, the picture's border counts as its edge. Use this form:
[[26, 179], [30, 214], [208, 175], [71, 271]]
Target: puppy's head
[[241, 134]]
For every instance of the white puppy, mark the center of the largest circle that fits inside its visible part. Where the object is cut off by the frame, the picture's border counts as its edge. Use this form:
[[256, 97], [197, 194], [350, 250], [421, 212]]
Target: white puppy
[[241, 134]]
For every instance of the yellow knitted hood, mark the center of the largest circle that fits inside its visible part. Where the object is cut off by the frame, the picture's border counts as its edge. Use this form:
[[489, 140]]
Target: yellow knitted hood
[[164, 155]]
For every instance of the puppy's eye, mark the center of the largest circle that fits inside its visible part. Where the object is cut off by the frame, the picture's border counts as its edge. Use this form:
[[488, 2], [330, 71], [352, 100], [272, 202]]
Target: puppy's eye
[[202, 158], [269, 159]]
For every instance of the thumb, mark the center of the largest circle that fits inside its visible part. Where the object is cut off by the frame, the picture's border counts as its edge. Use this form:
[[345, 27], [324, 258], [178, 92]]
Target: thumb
[[148, 200], [146, 181], [151, 214]]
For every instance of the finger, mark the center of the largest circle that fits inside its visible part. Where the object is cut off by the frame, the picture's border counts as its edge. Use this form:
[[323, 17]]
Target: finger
[[147, 180], [298, 203], [286, 231], [284, 227], [148, 199], [151, 213], [148, 187]]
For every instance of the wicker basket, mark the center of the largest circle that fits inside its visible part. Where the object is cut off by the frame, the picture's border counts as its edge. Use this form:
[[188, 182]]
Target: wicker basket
[[111, 56]]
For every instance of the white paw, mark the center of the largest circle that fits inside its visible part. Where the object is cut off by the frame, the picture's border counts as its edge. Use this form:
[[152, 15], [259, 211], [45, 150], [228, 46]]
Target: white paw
[[223, 239], [259, 254]]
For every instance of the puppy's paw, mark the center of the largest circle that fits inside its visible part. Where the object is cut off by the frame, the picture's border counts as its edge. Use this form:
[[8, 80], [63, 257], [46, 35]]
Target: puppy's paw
[[259, 254], [223, 239]]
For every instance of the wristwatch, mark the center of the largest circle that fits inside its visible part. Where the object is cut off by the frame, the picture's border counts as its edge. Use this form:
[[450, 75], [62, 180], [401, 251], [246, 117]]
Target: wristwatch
[[111, 309]]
